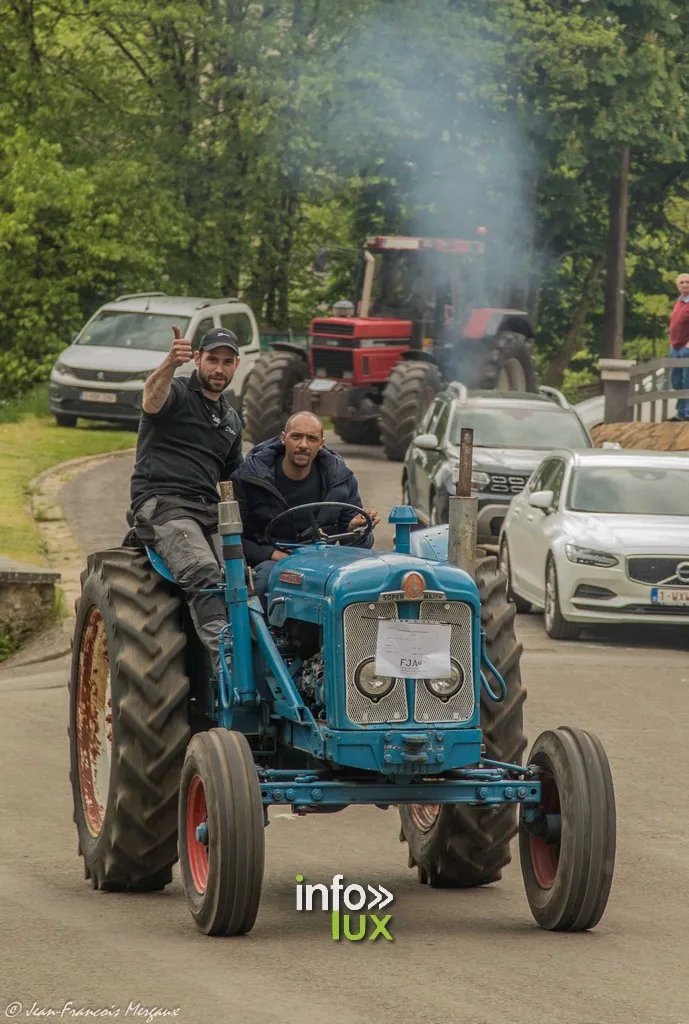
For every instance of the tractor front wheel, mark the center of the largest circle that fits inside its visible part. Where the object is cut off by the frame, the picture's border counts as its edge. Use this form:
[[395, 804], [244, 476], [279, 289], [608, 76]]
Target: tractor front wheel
[[221, 832], [455, 845], [568, 855], [411, 387], [128, 725]]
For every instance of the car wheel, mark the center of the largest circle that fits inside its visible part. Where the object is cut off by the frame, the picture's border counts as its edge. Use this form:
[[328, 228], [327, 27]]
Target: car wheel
[[556, 626], [520, 604]]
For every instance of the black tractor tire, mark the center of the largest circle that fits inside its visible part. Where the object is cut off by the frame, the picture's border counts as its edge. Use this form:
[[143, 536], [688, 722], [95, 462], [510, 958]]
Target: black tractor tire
[[568, 874], [128, 631], [358, 431], [222, 874], [411, 387], [503, 362], [62, 419], [268, 394], [469, 846]]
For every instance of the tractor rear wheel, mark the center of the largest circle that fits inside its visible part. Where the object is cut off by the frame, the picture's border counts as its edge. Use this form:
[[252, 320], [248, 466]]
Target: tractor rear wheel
[[268, 394], [411, 387], [500, 363], [128, 727], [455, 845], [358, 431]]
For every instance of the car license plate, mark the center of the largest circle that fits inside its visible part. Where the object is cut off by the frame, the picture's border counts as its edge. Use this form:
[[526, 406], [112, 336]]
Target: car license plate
[[674, 596], [108, 397]]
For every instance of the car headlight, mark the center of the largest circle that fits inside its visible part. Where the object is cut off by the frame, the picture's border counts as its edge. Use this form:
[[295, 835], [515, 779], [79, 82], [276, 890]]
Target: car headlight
[[446, 688], [587, 556], [479, 481], [368, 682], [61, 367]]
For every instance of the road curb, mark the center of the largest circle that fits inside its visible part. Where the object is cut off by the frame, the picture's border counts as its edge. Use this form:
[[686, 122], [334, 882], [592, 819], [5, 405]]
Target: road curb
[[62, 550]]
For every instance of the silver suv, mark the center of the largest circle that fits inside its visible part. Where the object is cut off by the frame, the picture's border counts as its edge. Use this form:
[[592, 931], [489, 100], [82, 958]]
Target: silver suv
[[511, 432], [102, 373]]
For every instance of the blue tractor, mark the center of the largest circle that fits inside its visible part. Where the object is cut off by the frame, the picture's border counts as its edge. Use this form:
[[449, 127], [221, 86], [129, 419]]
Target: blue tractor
[[382, 678]]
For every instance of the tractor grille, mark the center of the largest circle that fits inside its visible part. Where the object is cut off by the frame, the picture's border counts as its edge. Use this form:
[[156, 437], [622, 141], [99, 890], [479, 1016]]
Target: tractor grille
[[333, 362], [104, 376], [360, 634], [501, 484], [327, 327], [460, 708], [654, 570]]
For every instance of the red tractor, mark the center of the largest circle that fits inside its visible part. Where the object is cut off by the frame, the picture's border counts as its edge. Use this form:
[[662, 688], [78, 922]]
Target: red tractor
[[419, 321]]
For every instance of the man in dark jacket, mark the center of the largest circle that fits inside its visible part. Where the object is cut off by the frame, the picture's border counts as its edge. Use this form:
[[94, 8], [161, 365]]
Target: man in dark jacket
[[190, 439], [293, 469]]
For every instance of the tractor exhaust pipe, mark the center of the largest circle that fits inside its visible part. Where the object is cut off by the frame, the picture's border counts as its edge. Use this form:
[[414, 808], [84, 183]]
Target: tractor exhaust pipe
[[463, 510]]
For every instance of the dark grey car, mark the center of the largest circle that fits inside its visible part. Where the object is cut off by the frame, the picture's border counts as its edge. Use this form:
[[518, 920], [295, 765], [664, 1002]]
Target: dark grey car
[[511, 432]]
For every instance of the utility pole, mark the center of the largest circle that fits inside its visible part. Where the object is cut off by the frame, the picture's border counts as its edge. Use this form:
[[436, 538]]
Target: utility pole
[[613, 326]]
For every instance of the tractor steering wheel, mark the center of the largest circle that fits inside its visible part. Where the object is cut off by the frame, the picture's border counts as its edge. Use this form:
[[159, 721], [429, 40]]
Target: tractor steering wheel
[[314, 534]]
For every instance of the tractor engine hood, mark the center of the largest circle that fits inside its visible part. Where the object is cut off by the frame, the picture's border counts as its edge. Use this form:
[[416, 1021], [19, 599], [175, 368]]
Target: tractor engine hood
[[300, 584]]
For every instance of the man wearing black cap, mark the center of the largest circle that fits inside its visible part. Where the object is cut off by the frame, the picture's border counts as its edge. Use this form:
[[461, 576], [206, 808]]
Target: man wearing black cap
[[190, 438]]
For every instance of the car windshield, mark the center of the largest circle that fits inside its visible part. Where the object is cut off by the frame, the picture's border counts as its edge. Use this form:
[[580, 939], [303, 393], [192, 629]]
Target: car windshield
[[631, 491], [120, 329], [512, 427]]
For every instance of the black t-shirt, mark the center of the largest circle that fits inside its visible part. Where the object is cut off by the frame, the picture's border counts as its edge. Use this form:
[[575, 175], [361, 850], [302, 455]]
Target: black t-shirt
[[297, 492], [187, 448]]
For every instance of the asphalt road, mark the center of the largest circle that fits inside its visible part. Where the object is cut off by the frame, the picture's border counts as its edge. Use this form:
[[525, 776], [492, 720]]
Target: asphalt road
[[467, 956]]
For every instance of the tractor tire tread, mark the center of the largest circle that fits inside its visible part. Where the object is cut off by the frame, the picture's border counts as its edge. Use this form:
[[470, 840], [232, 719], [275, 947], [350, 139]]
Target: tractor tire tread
[[402, 407], [137, 845], [469, 846], [269, 385]]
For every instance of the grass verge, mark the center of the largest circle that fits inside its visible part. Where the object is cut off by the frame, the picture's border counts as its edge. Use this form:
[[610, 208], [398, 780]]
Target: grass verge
[[29, 445]]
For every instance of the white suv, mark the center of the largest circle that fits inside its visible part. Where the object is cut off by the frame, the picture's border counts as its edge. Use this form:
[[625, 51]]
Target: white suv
[[102, 373]]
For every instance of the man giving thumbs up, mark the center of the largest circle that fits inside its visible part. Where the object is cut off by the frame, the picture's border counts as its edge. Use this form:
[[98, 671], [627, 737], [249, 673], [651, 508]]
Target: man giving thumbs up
[[190, 438]]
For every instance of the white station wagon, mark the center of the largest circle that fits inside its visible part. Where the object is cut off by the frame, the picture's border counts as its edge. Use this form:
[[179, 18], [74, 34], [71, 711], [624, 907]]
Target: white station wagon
[[102, 373], [601, 536]]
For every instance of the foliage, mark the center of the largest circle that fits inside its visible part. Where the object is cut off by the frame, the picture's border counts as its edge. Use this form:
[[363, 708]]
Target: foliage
[[28, 447], [211, 148]]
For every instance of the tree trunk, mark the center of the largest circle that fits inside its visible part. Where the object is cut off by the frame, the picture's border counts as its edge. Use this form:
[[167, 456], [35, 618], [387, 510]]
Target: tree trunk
[[556, 370], [613, 329]]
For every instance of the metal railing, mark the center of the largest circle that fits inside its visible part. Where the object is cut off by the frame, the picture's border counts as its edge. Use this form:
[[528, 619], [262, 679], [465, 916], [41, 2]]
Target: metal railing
[[650, 393]]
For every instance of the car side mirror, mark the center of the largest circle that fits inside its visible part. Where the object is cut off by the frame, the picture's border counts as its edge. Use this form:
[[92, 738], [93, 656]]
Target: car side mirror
[[542, 499], [428, 442]]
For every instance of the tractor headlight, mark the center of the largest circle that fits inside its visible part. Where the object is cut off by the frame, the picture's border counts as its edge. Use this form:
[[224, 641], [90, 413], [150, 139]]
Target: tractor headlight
[[446, 688], [368, 682], [586, 556]]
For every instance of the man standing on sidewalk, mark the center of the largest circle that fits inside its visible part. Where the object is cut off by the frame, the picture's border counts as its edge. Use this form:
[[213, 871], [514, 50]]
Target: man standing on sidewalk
[[190, 438], [679, 345]]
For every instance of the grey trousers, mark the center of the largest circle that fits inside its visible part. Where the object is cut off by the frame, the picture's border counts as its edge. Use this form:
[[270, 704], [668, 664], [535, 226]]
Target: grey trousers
[[195, 558]]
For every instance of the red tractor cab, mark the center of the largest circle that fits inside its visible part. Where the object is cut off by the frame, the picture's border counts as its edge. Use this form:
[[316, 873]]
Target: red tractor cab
[[419, 321]]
